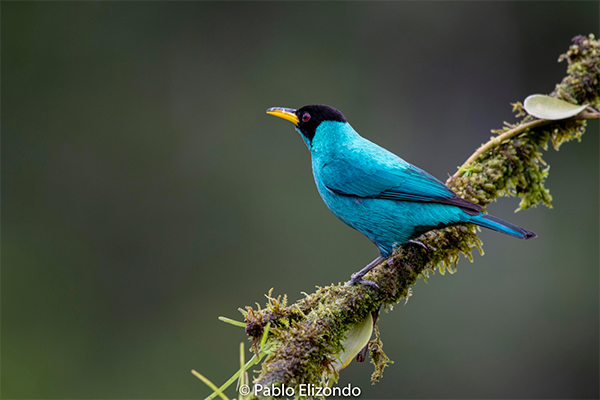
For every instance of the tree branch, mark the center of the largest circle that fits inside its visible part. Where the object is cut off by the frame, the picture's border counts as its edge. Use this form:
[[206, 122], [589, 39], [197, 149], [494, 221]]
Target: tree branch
[[306, 337]]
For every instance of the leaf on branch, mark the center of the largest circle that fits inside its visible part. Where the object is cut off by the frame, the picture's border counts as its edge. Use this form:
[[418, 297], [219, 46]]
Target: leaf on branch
[[546, 107]]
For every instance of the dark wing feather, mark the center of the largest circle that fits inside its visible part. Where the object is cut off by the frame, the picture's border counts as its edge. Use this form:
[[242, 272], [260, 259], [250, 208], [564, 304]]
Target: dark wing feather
[[402, 182]]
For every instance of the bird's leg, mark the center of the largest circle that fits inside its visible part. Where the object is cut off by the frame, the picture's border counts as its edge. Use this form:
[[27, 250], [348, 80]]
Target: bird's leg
[[357, 276], [418, 244]]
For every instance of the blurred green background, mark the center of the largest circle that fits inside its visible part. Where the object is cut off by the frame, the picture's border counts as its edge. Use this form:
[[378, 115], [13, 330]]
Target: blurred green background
[[146, 192]]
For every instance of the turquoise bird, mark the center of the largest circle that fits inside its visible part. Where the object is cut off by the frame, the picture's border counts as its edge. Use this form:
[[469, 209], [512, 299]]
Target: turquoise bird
[[376, 192]]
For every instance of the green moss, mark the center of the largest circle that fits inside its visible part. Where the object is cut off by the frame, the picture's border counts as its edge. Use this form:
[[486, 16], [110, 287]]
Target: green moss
[[582, 83], [305, 337]]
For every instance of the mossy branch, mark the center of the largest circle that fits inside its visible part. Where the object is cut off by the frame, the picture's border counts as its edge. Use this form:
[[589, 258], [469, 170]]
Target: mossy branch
[[306, 337]]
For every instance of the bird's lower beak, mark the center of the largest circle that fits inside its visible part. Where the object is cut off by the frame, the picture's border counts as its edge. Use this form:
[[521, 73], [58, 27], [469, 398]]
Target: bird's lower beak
[[285, 113]]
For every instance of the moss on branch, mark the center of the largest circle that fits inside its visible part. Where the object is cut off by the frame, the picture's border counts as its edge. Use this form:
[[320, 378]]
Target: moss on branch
[[305, 337]]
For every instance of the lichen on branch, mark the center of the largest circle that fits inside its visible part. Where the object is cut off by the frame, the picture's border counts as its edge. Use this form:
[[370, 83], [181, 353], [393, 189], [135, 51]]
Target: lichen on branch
[[306, 337]]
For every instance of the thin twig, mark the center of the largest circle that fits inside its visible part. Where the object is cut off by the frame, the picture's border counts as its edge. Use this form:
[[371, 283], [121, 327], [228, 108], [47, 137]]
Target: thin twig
[[513, 132]]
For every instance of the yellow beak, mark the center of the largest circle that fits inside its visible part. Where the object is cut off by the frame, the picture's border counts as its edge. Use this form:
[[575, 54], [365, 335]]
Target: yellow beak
[[285, 113]]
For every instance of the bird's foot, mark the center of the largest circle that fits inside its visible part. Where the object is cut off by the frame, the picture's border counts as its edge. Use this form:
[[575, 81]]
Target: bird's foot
[[416, 242], [358, 279], [391, 262]]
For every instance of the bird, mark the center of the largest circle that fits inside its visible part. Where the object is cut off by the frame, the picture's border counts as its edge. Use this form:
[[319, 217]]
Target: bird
[[374, 191]]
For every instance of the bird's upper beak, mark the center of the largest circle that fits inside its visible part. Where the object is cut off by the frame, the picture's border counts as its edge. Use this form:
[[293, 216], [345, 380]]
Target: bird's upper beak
[[285, 113]]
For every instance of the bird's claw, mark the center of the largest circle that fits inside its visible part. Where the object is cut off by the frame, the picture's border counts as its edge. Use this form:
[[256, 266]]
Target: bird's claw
[[416, 242], [391, 262], [354, 280]]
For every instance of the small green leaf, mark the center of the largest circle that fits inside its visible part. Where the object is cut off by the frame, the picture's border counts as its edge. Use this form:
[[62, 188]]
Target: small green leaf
[[254, 360], [263, 340], [232, 322], [546, 107], [356, 339], [241, 379], [207, 382]]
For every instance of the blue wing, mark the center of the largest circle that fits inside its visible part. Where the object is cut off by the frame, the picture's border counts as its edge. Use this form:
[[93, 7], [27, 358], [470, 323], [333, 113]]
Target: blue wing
[[391, 180]]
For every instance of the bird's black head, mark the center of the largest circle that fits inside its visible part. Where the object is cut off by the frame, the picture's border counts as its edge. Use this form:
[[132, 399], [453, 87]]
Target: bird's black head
[[308, 118]]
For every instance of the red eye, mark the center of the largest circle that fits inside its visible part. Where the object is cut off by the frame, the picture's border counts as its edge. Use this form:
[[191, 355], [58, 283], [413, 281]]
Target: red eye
[[305, 117]]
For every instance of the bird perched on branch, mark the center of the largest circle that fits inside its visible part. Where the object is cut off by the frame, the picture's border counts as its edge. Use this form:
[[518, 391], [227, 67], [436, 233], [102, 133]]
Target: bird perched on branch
[[376, 192]]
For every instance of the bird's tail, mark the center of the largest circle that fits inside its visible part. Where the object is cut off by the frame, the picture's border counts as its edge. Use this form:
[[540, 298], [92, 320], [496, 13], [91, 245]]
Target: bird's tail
[[496, 224]]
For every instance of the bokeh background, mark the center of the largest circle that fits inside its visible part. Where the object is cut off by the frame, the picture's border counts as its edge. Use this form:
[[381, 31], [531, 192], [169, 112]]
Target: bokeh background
[[145, 191]]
